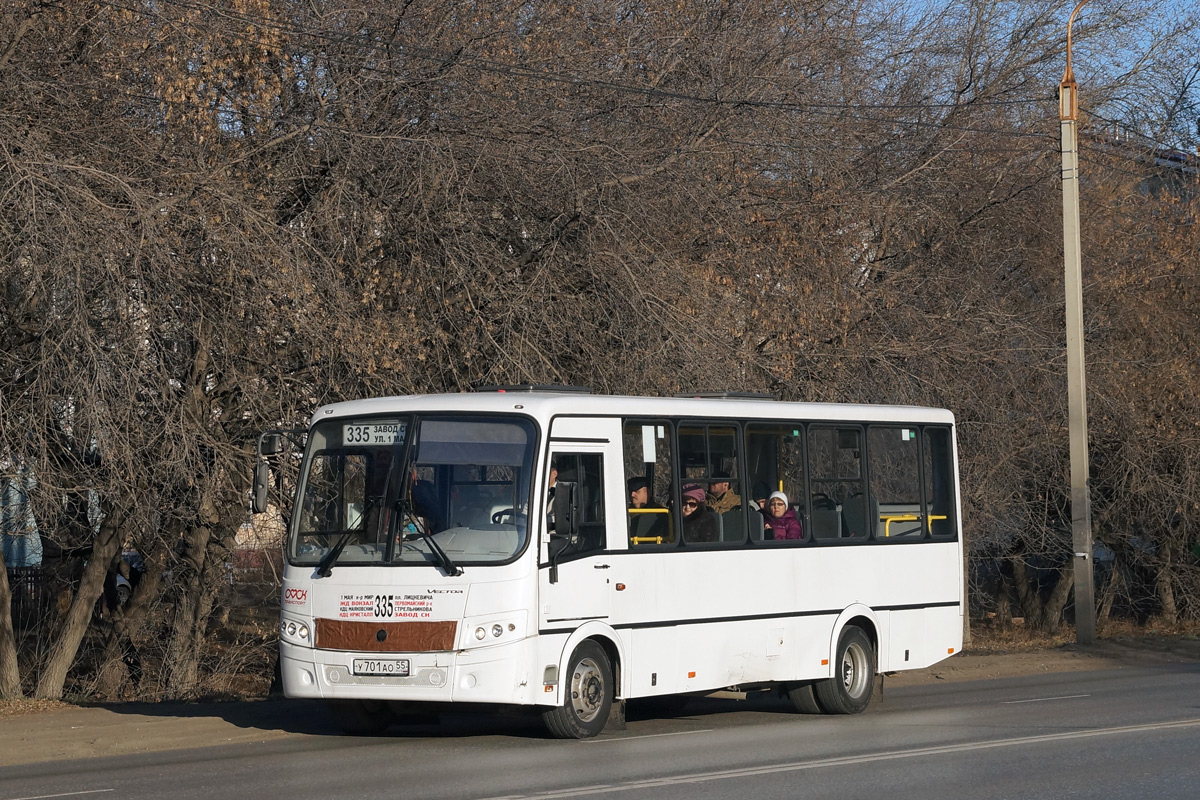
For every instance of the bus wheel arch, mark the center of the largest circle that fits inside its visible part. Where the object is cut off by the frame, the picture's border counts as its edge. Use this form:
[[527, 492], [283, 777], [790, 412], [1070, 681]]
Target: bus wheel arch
[[606, 638], [588, 690], [854, 663]]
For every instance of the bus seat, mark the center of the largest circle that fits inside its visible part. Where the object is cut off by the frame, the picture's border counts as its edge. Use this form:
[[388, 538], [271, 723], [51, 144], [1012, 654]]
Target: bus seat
[[862, 515], [826, 518], [757, 526], [733, 526]]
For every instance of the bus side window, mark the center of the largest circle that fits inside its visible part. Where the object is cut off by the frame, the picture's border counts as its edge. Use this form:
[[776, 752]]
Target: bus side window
[[775, 463], [839, 502], [646, 452], [939, 483], [895, 467]]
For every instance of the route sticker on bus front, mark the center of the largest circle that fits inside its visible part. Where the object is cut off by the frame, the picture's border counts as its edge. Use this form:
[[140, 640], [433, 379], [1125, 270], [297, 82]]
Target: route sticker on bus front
[[373, 433], [385, 606]]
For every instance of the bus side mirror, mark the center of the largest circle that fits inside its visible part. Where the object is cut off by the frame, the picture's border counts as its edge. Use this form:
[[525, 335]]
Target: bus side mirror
[[566, 525], [566, 512], [270, 444], [262, 478]]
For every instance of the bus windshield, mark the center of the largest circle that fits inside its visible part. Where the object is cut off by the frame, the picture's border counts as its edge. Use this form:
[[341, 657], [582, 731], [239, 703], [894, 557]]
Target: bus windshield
[[397, 490]]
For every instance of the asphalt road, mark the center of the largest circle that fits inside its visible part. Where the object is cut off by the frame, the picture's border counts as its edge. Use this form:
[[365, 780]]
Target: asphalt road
[[1126, 733]]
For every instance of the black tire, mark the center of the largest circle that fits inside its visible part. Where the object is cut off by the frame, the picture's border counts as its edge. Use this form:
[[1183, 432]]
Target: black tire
[[802, 698], [849, 690], [361, 717], [663, 705], [587, 695]]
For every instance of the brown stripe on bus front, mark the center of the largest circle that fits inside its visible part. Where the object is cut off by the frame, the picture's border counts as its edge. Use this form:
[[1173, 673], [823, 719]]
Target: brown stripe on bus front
[[385, 637]]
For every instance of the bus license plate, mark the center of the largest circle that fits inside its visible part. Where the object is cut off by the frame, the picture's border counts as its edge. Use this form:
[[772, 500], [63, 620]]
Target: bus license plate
[[386, 667]]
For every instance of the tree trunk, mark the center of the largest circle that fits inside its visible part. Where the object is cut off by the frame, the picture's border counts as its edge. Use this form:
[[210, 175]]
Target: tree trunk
[[66, 645], [10, 674], [1047, 615], [1003, 604], [1031, 604], [183, 653], [1052, 610], [1165, 589], [1115, 576]]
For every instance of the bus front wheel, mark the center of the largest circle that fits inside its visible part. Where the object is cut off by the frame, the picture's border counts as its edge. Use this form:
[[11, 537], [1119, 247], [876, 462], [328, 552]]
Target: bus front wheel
[[849, 690], [587, 695]]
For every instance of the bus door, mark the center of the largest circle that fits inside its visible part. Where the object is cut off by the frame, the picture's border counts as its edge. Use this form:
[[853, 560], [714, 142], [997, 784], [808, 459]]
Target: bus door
[[575, 574]]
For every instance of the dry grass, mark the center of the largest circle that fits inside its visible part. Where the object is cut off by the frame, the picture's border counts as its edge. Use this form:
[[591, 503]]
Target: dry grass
[[992, 639], [19, 708]]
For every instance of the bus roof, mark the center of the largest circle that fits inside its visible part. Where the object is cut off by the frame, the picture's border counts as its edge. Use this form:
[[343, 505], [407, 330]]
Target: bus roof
[[547, 404]]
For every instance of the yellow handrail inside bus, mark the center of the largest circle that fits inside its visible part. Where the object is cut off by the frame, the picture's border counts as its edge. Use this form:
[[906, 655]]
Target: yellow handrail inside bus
[[647, 539], [888, 519]]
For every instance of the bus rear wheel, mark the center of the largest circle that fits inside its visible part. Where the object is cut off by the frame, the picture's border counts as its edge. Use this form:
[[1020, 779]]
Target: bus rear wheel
[[587, 695], [849, 690], [361, 717], [802, 698]]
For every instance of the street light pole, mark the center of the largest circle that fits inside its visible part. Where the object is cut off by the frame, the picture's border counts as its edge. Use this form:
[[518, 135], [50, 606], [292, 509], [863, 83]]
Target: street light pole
[[1081, 505]]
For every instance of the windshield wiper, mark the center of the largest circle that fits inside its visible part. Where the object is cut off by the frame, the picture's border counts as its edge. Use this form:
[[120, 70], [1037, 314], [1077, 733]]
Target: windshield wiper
[[325, 565], [443, 558]]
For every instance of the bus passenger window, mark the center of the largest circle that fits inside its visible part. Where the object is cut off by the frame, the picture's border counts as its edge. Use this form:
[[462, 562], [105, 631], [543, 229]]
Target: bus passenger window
[[839, 503], [710, 461], [895, 493], [646, 447], [775, 463], [939, 483]]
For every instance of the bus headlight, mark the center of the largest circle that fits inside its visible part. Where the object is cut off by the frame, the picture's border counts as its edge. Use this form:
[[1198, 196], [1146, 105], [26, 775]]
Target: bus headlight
[[480, 633], [497, 629], [295, 632]]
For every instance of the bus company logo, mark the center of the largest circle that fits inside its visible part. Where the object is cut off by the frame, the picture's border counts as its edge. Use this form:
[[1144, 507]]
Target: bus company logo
[[295, 597], [444, 591]]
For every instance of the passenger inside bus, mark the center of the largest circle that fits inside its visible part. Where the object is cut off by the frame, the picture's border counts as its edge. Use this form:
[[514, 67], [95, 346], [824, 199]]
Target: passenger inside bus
[[759, 497], [781, 520], [644, 525], [699, 521], [720, 499]]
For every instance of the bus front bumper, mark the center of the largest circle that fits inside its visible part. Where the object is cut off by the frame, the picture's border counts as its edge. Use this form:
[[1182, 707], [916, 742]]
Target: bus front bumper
[[497, 674]]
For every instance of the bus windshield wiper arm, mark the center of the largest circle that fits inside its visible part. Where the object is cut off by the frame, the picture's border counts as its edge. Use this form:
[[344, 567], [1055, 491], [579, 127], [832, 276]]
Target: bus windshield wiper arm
[[441, 555], [325, 566]]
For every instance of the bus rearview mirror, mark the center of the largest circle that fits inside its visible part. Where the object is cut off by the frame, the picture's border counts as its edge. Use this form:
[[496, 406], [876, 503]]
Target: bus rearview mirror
[[566, 515], [270, 444], [262, 477]]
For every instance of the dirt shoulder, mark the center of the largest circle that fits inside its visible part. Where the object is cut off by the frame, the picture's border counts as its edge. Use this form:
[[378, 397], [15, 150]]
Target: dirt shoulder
[[39, 731], [1104, 654]]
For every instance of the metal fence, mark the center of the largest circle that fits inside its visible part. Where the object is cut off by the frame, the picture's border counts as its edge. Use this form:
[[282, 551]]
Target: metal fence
[[31, 595]]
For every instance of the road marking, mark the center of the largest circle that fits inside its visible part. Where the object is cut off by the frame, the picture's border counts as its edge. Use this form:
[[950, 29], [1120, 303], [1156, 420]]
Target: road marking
[[648, 736], [1044, 699], [64, 794], [891, 755]]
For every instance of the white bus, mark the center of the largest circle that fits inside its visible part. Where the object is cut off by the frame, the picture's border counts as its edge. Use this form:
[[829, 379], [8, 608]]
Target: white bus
[[548, 548]]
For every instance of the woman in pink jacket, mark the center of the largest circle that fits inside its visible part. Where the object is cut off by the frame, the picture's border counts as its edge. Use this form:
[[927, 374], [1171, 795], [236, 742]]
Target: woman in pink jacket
[[780, 520]]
